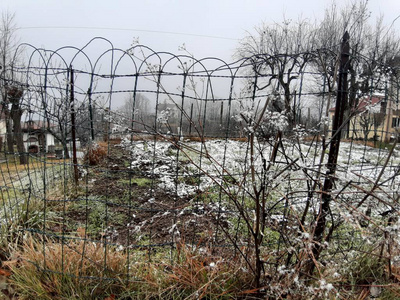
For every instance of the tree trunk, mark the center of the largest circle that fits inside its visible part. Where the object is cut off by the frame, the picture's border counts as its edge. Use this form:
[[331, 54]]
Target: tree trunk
[[14, 95], [9, 132], [66, 152], [10, 136], [16, 113]]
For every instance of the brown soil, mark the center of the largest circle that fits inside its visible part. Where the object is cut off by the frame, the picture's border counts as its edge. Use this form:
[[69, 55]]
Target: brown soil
[[115, 208]]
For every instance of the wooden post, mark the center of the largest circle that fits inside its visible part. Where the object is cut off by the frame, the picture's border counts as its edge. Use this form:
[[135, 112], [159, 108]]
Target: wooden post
[[334, 149], [191, 120], [73, 127], [91, 115], [221, 113]]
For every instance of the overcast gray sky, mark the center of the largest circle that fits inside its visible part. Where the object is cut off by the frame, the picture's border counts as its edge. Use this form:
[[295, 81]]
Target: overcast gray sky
[[207, 27]]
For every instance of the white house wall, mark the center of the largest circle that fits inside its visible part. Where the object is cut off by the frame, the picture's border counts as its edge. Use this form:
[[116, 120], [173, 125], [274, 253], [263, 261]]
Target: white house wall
[[3, 130], [25, 137], [49, 141]]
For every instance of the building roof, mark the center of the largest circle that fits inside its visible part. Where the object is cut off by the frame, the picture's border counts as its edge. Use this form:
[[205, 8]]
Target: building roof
[[364, 102], [368, 101], [35, 125]]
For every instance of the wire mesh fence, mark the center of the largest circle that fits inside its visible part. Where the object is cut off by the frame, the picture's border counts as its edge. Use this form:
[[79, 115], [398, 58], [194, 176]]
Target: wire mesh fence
[[130, 157]]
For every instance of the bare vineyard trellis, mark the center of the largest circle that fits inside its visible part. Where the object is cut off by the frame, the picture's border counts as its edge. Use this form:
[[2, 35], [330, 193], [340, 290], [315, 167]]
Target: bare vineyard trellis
[[199, 156]]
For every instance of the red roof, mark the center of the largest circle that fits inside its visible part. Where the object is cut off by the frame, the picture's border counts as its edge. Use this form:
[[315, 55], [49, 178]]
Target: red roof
[[35, 125], [364, 102]]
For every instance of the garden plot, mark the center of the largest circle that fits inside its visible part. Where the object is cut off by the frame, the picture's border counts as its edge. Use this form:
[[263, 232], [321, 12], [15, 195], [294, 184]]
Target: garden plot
[[215, 159], [189, 168], [147, 194], [145, 199]]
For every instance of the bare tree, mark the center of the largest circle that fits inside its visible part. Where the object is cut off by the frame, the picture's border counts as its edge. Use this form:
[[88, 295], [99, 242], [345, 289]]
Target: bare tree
[[11, 94], [8, 44], [376, 43], [280, 52], [135, 109], [370, 121], [365, 120], [14, 96]]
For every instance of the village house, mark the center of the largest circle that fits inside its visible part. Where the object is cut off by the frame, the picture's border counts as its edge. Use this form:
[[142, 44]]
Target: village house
[[374, 118], [36, 137]]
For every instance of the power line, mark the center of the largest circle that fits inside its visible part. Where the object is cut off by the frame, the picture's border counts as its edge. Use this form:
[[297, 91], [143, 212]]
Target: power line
[[127, 29]]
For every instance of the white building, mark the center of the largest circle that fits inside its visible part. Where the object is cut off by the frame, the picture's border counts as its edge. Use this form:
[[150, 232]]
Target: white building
[[36, 137]]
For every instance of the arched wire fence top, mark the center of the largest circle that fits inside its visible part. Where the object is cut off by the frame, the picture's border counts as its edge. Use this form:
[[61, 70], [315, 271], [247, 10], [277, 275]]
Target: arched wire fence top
[[141, 57], [235, 65], [143, 60]]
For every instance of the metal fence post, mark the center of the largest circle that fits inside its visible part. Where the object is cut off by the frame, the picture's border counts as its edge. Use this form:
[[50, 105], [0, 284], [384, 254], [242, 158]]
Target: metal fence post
[[334, 146], [73, 127]]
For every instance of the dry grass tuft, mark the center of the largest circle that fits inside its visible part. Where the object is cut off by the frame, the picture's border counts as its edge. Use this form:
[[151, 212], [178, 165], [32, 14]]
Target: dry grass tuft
[[87, 270], [75, 270], [201, 275]]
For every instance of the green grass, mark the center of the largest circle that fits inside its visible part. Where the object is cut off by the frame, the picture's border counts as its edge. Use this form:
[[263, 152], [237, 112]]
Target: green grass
[[189, 179], [383, 145], [142, 182], [139, 181]]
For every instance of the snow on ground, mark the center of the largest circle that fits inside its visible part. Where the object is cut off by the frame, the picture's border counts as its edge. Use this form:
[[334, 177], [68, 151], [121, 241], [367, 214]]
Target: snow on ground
[[198, 166], [222, 167]]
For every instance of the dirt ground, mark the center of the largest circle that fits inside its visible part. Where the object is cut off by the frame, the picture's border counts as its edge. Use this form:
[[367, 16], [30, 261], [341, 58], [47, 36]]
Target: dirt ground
[[127, 208]]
